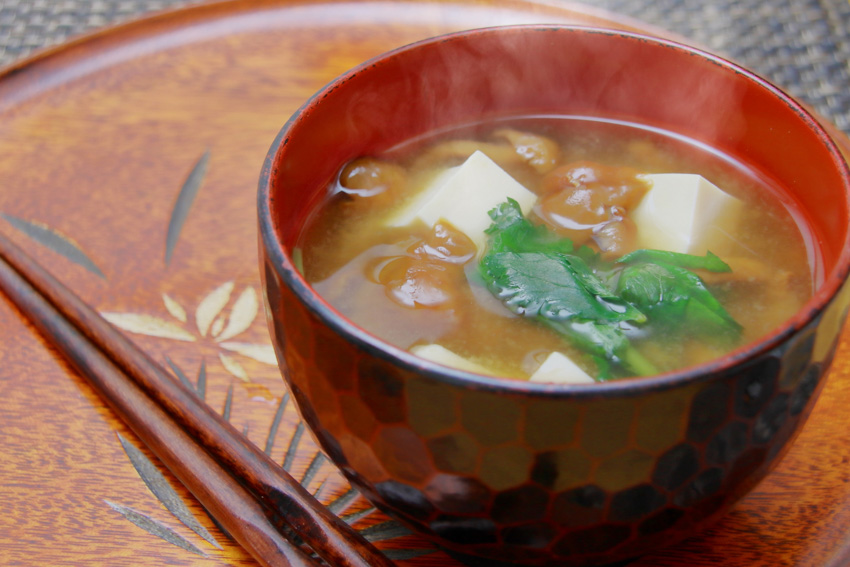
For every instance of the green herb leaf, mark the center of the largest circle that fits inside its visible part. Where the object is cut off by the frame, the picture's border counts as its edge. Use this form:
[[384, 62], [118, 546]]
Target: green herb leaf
[[553, 264], [512, 232], [538, 274], [553, 286], [708, 262], [675, 296]]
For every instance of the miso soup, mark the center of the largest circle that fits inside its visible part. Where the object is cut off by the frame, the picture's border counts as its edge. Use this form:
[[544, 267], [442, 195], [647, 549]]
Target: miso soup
[[559, 249]]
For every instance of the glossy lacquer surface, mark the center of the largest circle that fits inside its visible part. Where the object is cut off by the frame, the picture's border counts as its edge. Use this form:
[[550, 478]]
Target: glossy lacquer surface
[[524, 473], [129, 164]]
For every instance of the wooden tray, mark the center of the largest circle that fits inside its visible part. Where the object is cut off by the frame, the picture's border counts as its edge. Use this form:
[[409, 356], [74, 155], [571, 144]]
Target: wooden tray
[[128, 166]]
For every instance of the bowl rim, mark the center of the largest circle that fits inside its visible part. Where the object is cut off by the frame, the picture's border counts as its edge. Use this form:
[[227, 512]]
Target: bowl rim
[[283, 264]]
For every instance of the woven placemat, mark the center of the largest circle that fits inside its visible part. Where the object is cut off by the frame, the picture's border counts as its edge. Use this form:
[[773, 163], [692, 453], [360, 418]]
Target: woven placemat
[[800, 45]]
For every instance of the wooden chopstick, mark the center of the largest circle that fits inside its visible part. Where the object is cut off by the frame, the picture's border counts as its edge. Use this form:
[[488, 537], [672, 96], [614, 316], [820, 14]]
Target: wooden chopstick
[[217, 491], [271, 486]]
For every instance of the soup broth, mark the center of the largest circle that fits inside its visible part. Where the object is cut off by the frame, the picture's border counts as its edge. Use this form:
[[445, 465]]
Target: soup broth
[[423, 286]]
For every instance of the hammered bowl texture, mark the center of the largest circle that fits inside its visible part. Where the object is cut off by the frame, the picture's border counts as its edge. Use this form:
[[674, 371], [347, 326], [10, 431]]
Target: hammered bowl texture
[[516, 477]]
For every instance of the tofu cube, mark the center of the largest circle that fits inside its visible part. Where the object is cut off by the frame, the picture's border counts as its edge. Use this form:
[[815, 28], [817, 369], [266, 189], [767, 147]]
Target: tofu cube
[[560, 369], [683, 212], [442, 355], [463, 195], [556, 369]]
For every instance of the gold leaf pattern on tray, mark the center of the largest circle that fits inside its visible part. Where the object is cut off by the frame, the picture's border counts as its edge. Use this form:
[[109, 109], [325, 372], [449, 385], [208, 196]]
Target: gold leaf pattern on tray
[[217, 326], [232, 366], [244, 312], [148, 325], [59, 243], [212, 321], [184, 203], [174, 308], [154, 527], [201, 382], [179, 373], [273, 428], [159, 486], [211, 305], [260, 353]]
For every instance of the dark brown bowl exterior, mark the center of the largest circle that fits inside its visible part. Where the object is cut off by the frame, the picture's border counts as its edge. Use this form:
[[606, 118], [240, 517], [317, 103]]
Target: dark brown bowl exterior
[[502, 471]]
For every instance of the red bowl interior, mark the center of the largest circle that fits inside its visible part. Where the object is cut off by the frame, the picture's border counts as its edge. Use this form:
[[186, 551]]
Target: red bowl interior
[[518, 71]]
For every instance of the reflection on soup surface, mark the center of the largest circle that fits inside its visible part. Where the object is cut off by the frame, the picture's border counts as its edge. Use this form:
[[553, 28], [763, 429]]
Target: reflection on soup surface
[[558, 250]]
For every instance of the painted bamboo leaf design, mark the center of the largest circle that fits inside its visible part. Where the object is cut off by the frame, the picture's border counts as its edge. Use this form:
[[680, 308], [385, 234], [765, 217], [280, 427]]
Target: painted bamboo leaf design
[[215, 323], [155, 528], [156, 482], [260, 353], [244, 312], [212, 321], [148, 325], [278, 415], [174, 308], [355, 517], [201, 382], [184, 203], [211, 305], [317, 494], [292, 448], [55, 241], [228, 404], [179, 373], [385, 530], [231, 365], [343, 501], [218, 325], [313, 468]]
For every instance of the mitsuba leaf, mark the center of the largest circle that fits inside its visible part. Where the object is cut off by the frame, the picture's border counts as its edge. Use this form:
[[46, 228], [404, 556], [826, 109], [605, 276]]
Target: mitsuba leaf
[[552, 286], [546, 270], [708, 262], [674, 296], [512, 232], [538, 274], [592, 303], [591, 282], [602, 340]]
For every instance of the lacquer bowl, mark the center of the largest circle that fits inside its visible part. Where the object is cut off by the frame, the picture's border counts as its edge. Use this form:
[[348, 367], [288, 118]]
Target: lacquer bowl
[[509, 472]]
